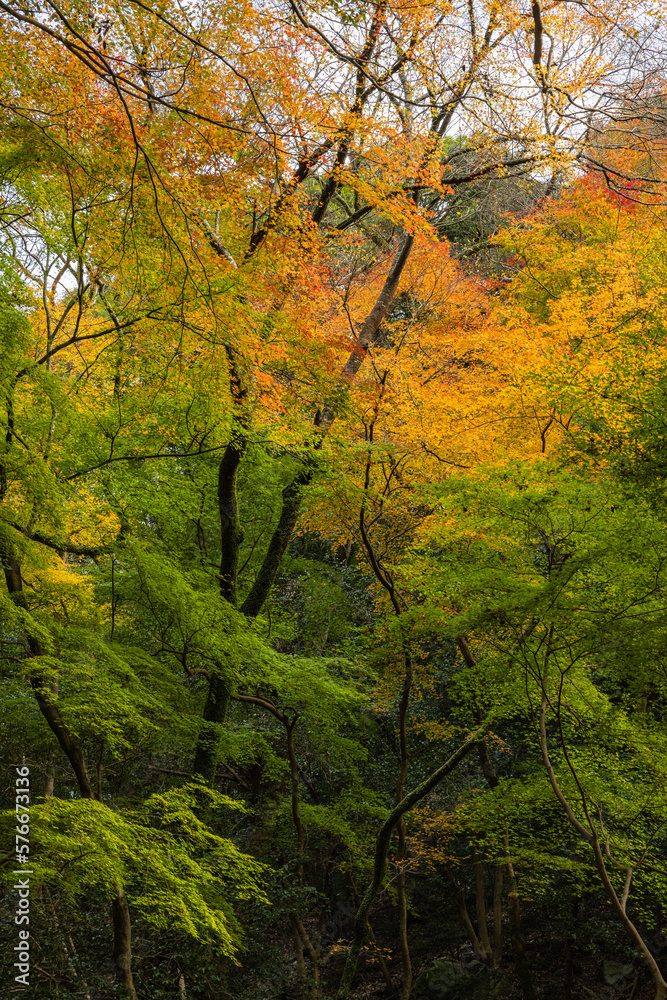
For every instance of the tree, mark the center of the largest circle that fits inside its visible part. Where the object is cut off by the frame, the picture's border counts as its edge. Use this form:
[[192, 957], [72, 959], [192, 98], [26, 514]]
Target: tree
[[558, 592], [223, 263]]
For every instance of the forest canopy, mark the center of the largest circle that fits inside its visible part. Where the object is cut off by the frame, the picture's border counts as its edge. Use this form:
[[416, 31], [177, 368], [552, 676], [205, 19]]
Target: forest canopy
[[333, 480]]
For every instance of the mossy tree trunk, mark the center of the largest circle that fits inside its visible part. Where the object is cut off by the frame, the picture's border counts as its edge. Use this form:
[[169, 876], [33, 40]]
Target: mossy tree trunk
[[382, 842]]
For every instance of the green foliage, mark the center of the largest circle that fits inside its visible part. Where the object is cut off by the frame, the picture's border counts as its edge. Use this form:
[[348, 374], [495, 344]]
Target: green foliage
[[173, 326], [179, 872]]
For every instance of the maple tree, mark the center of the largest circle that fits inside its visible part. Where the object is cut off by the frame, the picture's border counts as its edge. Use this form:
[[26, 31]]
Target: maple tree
[[253, 293]]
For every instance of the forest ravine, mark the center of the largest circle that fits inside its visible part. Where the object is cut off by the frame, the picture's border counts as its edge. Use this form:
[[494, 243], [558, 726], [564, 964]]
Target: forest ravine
[[333, 481]]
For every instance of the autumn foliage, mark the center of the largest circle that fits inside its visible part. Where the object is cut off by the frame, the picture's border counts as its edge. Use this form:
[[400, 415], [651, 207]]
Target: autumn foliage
[[333, 358]]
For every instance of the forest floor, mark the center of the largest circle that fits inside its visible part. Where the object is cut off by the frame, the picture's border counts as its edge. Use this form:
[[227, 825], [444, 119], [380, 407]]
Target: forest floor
[[436, 933]]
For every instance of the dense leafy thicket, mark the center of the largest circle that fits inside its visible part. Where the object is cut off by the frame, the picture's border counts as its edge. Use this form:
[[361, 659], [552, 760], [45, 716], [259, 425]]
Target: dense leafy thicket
[[333, 632]]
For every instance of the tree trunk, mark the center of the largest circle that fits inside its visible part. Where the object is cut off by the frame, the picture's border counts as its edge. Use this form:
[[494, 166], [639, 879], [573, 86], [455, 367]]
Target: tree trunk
[[380, 863], [45, 692], [520, 961], [569, 969], [231, 534], [491, 777], [312, 951], [498, 916], [49, 781], [569, 951], [591, 837], [56, 931], [404, 944], [633, 933], [122, 943], [298, 947], [289, 513], [480, 899], [465, 916], [389, 983], [215, 712]]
